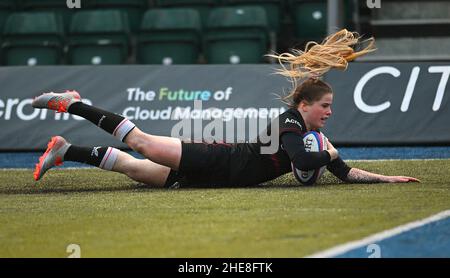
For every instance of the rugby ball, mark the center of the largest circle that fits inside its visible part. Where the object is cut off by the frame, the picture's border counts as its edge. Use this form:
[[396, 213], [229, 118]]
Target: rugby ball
[[314, 142]]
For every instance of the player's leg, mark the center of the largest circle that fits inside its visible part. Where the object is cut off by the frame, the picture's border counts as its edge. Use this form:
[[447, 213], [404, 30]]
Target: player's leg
[[107, 158], [70, 101], [141, 170], [160, 149]]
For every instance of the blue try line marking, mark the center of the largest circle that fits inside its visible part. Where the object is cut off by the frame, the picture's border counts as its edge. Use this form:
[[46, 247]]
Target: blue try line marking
[[427, 238], [28, 160], [369, 153]]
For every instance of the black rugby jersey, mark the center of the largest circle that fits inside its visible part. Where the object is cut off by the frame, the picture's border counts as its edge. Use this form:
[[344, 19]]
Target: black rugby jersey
[[249, 166]]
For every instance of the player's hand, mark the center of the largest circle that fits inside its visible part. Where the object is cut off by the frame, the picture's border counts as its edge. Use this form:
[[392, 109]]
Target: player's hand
[[401, 179], [332, 151]]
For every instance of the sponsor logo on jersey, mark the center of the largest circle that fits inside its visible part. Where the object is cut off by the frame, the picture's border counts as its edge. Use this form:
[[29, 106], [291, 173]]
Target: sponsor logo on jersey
[[292, 121]]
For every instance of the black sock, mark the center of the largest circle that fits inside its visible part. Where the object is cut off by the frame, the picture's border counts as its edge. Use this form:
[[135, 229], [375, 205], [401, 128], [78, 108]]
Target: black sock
[[102, 157], [112, 123]]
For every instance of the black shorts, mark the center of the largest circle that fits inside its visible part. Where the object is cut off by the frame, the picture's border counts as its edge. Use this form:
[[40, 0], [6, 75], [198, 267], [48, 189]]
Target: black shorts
[[202, 165]]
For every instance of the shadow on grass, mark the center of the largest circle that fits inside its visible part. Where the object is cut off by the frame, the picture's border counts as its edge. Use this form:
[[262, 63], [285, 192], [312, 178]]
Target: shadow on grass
[[62, 190], [60, 185]]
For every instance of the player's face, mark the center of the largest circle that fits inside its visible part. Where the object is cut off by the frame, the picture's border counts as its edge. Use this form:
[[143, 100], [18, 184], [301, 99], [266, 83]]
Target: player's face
[[317, 113]]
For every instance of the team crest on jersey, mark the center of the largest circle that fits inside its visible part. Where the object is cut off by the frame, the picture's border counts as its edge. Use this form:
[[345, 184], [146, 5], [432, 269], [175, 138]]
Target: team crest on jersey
[[293, 121]]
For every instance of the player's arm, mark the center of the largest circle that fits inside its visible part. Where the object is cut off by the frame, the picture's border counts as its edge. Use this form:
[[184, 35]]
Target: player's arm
[[354, 175], [292, 143]]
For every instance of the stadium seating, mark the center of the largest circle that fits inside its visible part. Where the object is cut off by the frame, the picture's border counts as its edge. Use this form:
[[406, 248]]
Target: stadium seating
[[33, 39], [273, 10], [169, 36], [411, 30], [434, 48], [98, 37], [230, 35], [6, 8], [202, 6], [236, 35], [8, 4], [310, 18], [133, 8], [33, 4], [56, 6]]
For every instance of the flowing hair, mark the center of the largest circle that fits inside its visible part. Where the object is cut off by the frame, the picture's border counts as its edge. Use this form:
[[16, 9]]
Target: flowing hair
[[335, 51]]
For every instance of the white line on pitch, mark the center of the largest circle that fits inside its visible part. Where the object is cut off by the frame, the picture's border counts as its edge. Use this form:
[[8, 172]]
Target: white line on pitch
[[343, 248]]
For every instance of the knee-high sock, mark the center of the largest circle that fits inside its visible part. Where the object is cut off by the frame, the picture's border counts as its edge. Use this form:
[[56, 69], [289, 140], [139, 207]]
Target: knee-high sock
[[112, 123], [102, 157]]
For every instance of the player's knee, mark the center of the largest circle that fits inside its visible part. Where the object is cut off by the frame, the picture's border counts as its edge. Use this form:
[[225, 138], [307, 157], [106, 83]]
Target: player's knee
[[135, 139], [146, 147], [137, 143]]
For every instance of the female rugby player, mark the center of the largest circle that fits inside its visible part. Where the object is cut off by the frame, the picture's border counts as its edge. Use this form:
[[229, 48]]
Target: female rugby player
[[171, 162]]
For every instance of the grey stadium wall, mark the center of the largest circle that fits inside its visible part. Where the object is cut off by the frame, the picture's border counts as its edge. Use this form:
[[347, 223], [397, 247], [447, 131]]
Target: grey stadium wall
[[374, 103]]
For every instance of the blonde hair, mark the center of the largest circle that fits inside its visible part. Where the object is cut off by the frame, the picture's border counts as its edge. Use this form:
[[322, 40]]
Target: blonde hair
[[335, 51]]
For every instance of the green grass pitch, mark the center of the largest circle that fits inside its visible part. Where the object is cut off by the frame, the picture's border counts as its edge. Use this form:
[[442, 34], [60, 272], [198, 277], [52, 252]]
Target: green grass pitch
[[108, 215]]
